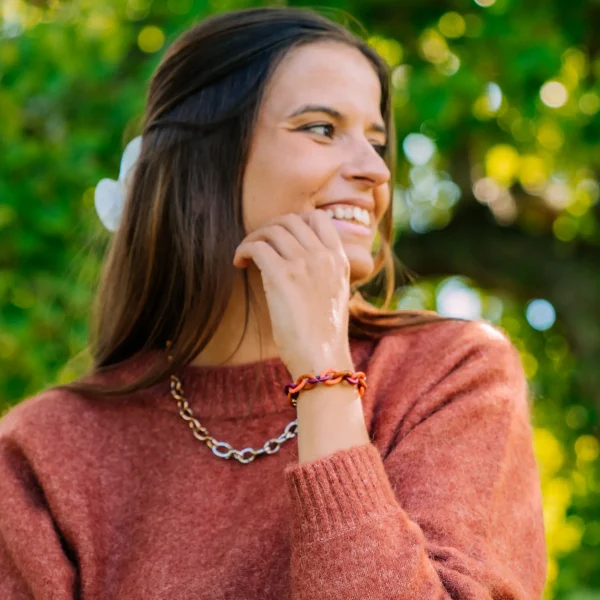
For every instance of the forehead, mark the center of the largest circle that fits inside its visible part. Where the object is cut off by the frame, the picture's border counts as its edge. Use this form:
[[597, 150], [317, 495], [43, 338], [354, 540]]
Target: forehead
[[328, 72]]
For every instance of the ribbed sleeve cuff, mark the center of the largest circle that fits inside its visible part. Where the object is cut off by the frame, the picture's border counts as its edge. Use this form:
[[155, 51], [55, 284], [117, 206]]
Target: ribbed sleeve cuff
[[337, 493]]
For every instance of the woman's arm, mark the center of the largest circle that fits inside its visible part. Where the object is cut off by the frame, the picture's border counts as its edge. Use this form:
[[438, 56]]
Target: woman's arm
[[454, 509], [33, 563]]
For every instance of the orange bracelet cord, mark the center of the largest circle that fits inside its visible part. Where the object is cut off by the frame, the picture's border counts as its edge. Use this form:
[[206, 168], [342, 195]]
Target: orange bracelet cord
[[328, 377]]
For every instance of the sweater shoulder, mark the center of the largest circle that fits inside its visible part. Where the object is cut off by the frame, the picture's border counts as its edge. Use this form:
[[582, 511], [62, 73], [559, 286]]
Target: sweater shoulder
[[448, 342], [51, 408], [417, 371]]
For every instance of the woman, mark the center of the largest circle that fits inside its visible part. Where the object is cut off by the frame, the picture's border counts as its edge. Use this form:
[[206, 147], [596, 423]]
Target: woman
[[409, 474]]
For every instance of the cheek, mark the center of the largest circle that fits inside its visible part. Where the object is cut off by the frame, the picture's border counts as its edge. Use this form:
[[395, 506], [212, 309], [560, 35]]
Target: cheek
[[382, 200], [281, 180], [296, 164]]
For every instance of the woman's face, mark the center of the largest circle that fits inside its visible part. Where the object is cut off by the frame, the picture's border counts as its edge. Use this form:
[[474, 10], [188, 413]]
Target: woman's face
[[313, 158]]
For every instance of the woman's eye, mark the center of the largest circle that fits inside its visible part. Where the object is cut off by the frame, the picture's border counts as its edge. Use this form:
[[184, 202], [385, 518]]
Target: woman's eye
[[381, 149], [323, 125]]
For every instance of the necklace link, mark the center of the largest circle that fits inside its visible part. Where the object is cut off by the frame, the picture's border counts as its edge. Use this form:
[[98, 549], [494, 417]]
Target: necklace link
[[202, 434]]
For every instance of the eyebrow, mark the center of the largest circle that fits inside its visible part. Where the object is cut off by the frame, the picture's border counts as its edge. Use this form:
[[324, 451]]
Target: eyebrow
[[336, 114]]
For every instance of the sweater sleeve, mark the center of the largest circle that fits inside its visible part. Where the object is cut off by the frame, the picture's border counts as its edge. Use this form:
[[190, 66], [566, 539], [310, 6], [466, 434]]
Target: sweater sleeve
[[452, 510], [33, 562]]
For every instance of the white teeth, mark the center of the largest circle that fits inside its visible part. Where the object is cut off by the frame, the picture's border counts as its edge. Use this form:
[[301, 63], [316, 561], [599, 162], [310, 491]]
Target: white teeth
[[350, 213]]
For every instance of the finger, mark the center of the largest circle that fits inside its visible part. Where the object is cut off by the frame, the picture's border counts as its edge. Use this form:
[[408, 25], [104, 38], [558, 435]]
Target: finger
[[280, 238], [261, 252], [300, 228], [321, 224]]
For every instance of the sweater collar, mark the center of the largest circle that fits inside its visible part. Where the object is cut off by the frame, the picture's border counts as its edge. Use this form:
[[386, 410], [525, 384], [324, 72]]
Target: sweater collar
[[251, 389]]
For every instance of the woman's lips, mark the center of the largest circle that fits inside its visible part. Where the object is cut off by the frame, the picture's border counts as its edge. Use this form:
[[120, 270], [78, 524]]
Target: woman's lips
[[352, 228]]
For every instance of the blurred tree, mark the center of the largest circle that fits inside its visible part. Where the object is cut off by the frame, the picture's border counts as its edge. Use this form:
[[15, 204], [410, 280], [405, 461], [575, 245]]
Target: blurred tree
[[496, 205]]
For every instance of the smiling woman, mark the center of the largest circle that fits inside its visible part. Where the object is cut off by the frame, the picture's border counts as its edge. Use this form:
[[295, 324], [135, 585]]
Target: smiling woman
[[267, 132], [250, 115]]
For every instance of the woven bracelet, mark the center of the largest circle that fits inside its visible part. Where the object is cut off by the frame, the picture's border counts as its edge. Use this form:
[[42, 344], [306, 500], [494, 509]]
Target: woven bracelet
[[328, 377]]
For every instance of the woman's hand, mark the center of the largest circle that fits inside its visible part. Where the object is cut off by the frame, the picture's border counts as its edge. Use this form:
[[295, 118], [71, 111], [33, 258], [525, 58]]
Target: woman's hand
[[306, 278]]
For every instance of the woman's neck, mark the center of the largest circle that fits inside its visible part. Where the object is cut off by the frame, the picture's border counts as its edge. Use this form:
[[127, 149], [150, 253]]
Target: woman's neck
[[257, 343]]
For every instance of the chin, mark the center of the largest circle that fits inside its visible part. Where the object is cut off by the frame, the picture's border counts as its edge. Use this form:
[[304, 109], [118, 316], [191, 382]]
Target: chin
[[361, 267]]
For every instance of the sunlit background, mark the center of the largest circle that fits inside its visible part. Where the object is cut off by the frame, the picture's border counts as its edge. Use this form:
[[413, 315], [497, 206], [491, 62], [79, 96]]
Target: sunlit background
[[496, 207]]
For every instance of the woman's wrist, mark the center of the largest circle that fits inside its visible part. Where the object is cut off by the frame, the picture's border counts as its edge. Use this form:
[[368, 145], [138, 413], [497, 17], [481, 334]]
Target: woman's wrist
[[330, 418], [319, 362]]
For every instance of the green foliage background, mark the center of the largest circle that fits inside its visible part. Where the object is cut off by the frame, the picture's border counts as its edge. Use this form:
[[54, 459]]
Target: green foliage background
[[505, 211]]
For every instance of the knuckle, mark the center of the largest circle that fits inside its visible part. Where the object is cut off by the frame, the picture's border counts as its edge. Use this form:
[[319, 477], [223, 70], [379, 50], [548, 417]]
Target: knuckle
[[328, 260], [279, 228], [290, 218], [327, 255], [280, 220], [301, 266]]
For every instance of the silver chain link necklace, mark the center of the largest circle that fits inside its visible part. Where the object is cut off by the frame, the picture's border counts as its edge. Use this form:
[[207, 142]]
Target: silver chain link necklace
[[245, 456]]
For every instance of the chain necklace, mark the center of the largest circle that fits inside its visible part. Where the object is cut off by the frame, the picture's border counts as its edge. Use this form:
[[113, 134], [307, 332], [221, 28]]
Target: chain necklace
[[245, 456]]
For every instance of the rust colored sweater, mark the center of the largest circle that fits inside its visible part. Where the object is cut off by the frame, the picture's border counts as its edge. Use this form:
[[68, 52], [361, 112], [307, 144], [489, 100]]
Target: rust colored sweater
[[116, 499]]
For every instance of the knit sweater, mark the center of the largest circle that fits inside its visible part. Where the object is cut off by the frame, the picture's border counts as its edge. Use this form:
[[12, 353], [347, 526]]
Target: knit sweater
[[116, 498]]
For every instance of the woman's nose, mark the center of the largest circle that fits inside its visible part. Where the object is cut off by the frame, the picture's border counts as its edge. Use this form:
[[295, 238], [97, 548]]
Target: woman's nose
[[367, 165]]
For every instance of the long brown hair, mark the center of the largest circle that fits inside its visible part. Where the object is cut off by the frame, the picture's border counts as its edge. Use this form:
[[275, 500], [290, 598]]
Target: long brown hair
[[168, 272]]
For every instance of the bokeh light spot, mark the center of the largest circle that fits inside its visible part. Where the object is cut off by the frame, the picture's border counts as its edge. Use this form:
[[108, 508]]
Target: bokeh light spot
[[433, 47], [554, 94], [557, 195], [576, 416], [452, 25], [540, 314], [548, 450], [493, 95], [502, 164], [390, 49], [564, 228], [550, 136], [530, 364], [151, 39], [570, 534], [400, 76], [418, 148], [589, 103], [587, 448], [456, 299], [532, 173], [450, 66]]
